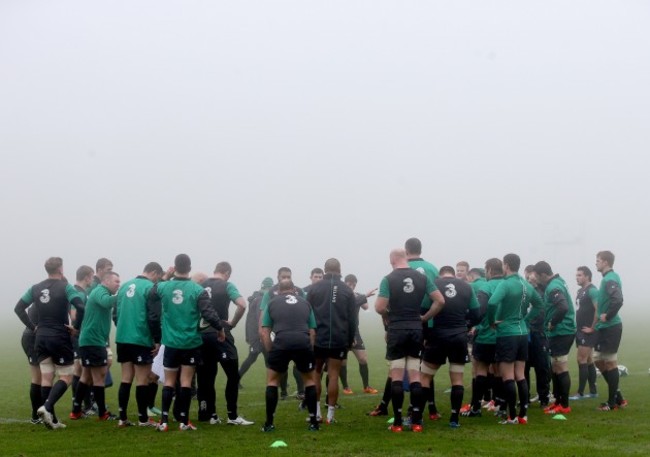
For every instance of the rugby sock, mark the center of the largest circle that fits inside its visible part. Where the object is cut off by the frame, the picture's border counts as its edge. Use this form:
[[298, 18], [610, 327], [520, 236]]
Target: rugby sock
[[330, 412], [142, 399], [300, 386], [480, 385], [310, 399], [510, 393], [74, 384], [385, 399], [564, 387], [397, 394], [283, 384], [80, 395], [167, 397], [591, 377], [556, 388], [416, 402], [499, 392], [489, 388], [45, 394], [343, 376], [271, 403], [456, 395], [612, 385], [100, 398], [185, 399], [153, 392], [363, 371], [583, 374], [431, 398], [123, 395], [423, 398], [524, 396], [35, 397], [58, 389]]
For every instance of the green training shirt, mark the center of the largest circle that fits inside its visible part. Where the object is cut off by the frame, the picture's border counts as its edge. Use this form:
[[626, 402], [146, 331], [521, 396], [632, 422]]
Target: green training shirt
[[509, 303], [96, 325], [610, 299], [180, 313], [132, 323], [485, 334], [556, 291]]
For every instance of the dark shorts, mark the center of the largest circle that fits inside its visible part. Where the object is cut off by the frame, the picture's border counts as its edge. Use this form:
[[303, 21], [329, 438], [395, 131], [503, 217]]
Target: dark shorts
[[93, 356], [56, 347], [441, 348], [28, 341], [484, 352], [586, 339], [560, 345], [402, 343], [75, 345], [609, 339], [215, 350], [330, 353], [173, 358], [138, 355], [511, 349], [358, 342], [279, 359]]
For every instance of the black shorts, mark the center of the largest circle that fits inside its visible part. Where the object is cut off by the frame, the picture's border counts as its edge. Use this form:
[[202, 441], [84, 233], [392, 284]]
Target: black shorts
[[93, 356], [609, 339], [484, 352], [358, 342], [402, 343], [330, 353], [441, 348], [214, 350], [56, 347], [279, 359], [75, 345], [560, 345], [586, 339], [28, 341], [138, 355], [511, 349], [173, 358]]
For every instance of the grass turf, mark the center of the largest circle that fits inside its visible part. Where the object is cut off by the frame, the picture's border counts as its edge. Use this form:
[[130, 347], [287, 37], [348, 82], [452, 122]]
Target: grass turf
[[586, 432]]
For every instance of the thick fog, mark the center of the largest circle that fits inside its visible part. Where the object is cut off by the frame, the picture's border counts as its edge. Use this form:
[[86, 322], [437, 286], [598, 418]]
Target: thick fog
[[284, 133]]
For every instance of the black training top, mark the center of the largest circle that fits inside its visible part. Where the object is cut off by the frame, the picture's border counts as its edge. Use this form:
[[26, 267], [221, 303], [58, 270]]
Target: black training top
[[335, 309]]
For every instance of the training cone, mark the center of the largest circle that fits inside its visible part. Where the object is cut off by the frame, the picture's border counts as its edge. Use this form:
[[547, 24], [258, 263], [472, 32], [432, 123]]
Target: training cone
[[559, 417], [391, 420], [279, 443]]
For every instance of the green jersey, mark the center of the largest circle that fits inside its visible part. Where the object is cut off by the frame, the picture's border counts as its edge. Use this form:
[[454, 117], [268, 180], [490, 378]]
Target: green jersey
[[96, 325], [485, 334], [610, 300], [477, 284], [509, 303], [560, 315], [132, 317], [184, 302]]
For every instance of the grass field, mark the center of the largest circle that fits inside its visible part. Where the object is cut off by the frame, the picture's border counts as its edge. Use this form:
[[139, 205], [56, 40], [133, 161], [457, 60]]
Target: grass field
[[586, 432]]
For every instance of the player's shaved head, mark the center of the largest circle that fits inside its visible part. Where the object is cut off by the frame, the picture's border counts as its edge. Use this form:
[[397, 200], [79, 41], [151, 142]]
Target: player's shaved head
[[183, 264], [397, 256], [413, 246], [53, 265], [332, 266]]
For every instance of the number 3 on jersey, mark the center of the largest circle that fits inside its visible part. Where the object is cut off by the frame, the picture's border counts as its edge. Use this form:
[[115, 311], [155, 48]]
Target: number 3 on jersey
[[177, 299], [408, 285]]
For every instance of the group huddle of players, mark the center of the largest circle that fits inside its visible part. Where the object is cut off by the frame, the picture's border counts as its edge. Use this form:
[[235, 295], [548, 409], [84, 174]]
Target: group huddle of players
[[506, 322]]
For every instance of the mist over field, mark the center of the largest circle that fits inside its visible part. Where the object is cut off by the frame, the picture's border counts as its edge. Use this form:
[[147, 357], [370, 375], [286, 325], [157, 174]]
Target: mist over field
[[279, 134]]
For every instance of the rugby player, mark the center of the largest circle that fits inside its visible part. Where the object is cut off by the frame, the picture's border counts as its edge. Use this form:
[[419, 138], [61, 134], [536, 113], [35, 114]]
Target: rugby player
[[586, 319], [291, 319], [507, 309], [610, 329], [52, 346], [399, 301]]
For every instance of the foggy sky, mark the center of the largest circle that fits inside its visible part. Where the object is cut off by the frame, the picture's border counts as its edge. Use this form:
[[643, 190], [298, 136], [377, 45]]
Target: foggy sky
[[285, 133]]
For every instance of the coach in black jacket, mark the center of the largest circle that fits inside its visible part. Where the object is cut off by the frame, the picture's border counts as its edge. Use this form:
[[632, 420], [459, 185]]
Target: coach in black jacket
[[336, 319]]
